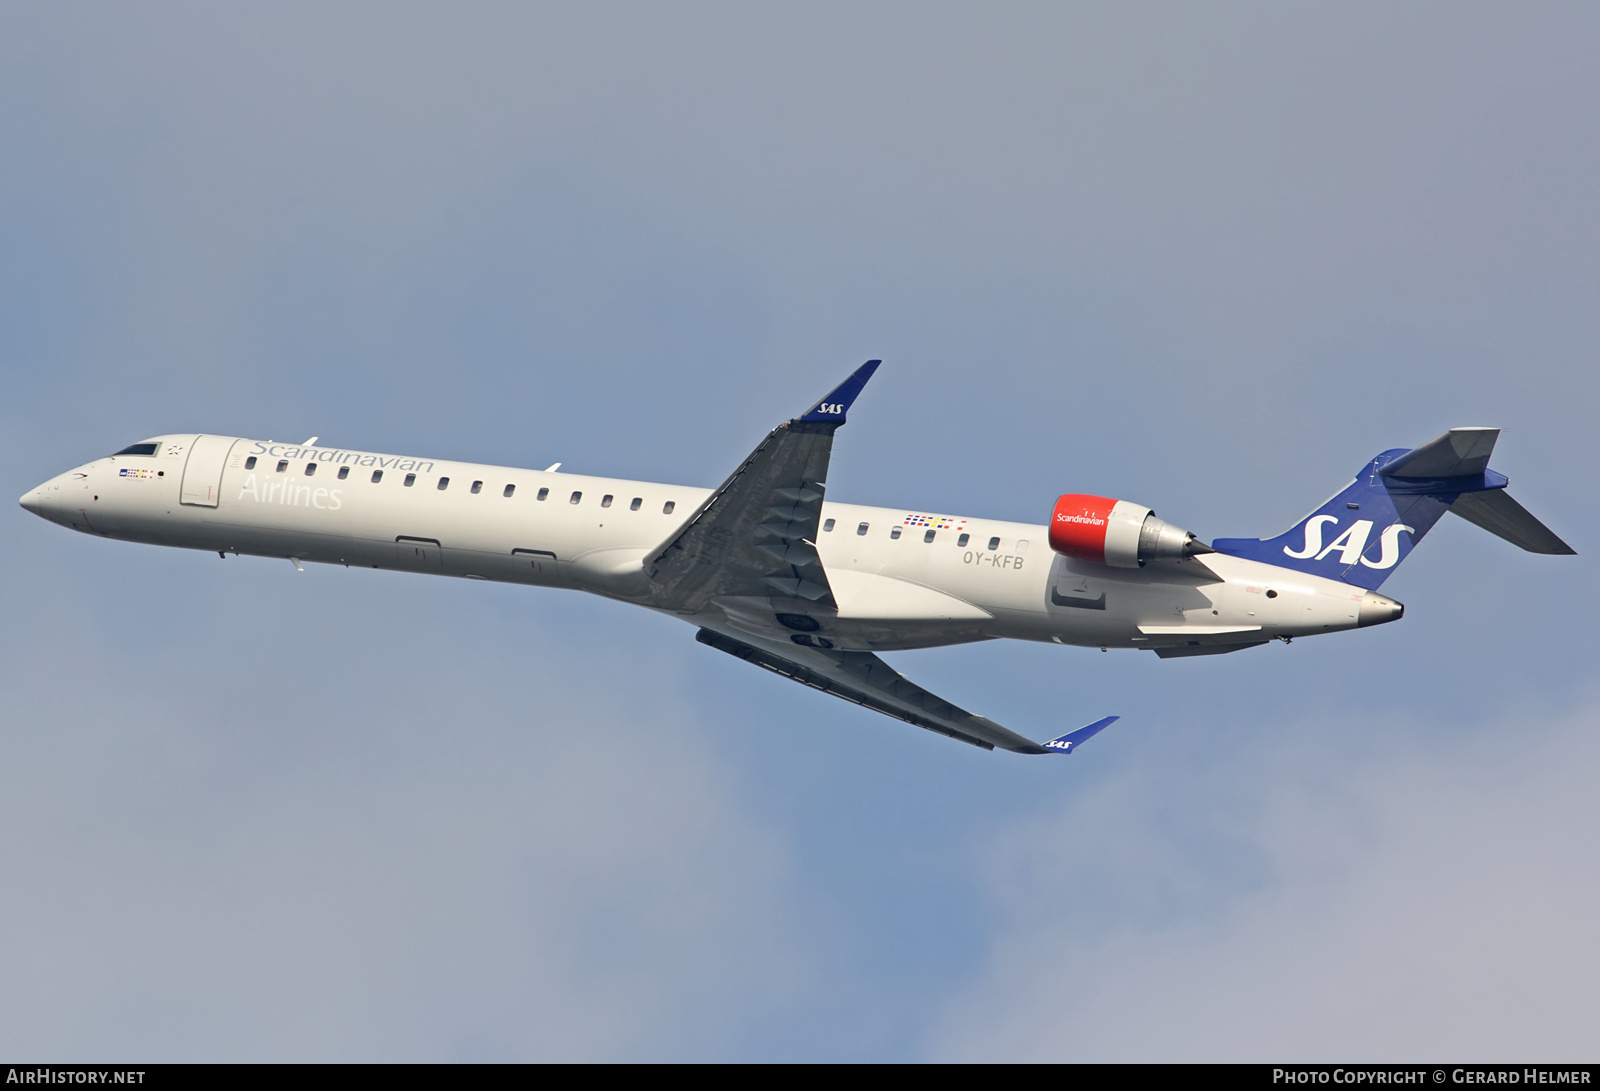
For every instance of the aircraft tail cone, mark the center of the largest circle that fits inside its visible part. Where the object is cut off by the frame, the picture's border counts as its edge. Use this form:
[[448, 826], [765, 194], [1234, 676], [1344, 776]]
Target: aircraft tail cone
[[1378, 609]]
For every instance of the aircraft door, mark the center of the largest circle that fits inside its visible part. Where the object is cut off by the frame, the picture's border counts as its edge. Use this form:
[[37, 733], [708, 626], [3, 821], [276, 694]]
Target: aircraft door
[[202, 473]]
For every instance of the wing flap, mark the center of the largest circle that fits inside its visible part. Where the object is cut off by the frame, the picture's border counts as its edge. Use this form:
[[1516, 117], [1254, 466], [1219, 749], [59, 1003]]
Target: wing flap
[[866, 680]]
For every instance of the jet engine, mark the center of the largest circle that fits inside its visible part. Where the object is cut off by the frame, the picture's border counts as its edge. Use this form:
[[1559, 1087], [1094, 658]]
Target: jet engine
[[1117, 532]]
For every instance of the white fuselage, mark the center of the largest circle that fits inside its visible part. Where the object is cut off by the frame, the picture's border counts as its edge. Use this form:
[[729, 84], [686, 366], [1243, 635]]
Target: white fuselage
[[901, 579]]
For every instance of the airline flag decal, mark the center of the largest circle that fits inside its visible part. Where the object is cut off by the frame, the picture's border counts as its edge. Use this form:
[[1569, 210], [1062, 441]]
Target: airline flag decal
[[935, 522]]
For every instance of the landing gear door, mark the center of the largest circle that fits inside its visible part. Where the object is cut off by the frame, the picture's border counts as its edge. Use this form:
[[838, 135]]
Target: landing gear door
[[202, 474]]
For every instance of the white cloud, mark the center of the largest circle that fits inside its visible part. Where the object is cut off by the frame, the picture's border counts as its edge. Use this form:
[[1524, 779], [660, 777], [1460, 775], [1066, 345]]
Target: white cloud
[[312, 836], [1418, 900]]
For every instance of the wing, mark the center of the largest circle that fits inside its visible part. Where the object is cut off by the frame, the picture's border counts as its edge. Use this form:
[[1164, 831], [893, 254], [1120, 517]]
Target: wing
[[756, 535], [867, 680], [754, 538]]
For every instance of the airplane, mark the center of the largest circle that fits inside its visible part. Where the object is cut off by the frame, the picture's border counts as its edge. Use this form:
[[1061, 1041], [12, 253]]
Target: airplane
[[769, 570]]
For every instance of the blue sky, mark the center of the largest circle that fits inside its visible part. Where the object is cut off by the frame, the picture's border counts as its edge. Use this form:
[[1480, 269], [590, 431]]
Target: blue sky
[[1210, 259]]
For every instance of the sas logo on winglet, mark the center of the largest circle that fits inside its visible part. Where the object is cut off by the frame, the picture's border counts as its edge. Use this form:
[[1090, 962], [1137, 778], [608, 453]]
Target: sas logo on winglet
[[1351, 543], [831, 408], [1059, 744]]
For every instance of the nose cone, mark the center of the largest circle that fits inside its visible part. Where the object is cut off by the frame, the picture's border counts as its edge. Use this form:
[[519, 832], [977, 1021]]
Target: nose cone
[[1377, 609], [53, 499]]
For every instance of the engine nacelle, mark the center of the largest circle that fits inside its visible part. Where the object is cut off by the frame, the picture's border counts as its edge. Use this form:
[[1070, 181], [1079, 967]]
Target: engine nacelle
[[1117, 532]]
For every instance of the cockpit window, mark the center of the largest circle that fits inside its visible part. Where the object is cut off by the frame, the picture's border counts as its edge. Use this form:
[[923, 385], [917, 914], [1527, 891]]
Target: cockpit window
[[138, 449]]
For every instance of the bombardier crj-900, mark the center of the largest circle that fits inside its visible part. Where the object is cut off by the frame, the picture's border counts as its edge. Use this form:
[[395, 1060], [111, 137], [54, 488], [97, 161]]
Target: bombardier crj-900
[[769, 570]]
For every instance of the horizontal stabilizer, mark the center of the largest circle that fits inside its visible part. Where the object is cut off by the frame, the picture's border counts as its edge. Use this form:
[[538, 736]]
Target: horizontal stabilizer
[[1500, 515], [1457, 453], [1066, 743]]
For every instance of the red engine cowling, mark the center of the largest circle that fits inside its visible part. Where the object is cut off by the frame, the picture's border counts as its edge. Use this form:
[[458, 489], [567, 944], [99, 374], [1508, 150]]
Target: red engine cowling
[[1116, 532]]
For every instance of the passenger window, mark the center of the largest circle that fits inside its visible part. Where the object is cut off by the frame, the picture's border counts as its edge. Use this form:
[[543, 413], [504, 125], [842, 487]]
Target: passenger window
[[895, 532], [283, 464], [311, 468], [477, 487], [344, 472], [637, 500], [543, 493], [862, 529], [411, 479], [444, 483], [511, 489], [605, 501], [577, 497], [1022, 546], [666, 509], [994, 544], [827, 526], [928, 537], [250, 463], [961, 542], [377, 476]]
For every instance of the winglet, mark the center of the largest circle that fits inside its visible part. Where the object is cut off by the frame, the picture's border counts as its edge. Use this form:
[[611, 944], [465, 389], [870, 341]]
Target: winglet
[[832, 408], [1072, 739]]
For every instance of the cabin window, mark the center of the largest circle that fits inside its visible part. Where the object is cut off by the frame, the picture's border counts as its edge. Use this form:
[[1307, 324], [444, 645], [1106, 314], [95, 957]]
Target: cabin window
[[477, 487], [895, 532], [827, 526], [444, 483], [862, 529], [577, 498], [250, 463], [311, 468], [411, 479], [377, 476], [961, 542], [1022, 546], [666, 509], [543, 494], [605, 501], [344, 472], [138, 449], [994, 544], [637, 500], [283, 464], [928, 537], [511, 489]]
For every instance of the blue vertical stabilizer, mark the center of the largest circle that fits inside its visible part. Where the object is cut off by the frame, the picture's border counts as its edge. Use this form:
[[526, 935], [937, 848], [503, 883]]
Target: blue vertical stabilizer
[[1363, 533]]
